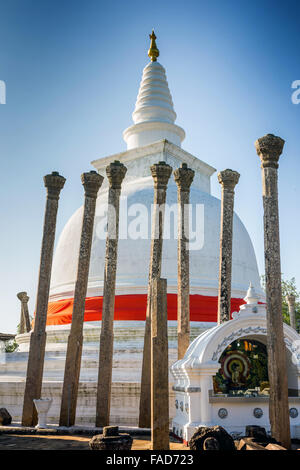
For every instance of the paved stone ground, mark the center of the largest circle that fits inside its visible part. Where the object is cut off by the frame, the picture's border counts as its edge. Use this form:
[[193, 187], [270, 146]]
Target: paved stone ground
[[40, 442], [70, 442], [36, 442]]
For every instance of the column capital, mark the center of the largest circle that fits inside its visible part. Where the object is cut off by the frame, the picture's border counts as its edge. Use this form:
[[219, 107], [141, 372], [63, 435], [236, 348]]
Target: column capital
[[184, 177], [161, 173], [23, 297], [116, 172], [228, 179], [291, 299], [91, 182], [269, 148], [54, 184]]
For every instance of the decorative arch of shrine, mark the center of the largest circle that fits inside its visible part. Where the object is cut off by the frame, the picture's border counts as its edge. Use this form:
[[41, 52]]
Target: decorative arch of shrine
[[199, 402]]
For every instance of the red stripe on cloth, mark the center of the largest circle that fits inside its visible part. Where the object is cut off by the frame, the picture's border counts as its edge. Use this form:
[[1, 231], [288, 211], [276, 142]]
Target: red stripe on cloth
[[133, 307]]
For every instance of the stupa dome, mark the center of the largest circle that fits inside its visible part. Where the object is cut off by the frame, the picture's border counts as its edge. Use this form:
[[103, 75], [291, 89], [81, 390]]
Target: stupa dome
[[134, 245], [133, 255]]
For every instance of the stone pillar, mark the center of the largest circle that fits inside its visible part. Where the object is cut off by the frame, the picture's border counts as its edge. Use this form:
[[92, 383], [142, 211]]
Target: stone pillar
[[184, 177], [161, 173], [115, 172], [269, 149], [25, 326], [291, 299], [54, 184], [159, 366], [91, 182], [228, 179]]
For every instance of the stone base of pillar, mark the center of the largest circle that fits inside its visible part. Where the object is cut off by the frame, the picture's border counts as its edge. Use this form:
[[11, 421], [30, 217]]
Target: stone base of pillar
[[159, 366], [34, 378]]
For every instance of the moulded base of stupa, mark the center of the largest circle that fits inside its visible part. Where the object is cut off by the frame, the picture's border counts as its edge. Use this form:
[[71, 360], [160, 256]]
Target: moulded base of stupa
[[127, 365]]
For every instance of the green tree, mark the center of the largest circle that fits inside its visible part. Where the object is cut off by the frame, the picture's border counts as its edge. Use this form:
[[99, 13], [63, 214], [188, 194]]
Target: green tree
[[11, 345], [288, 287]]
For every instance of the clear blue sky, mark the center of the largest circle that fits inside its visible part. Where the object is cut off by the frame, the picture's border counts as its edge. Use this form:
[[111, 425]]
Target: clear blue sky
[[72, 70]]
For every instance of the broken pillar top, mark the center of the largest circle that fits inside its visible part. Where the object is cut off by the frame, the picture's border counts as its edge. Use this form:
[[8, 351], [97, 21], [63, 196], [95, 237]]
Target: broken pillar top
[[110, 431], [22, 296], [111, 440], [291, 299]]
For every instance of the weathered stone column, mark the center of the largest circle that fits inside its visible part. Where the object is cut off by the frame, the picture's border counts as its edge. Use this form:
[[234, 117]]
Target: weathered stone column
[[54, 184], [161, 173], [25, 326], [291, 299], [91, 182], [159, 366], [269, 149], [115, 172], [228, 179], [184, 177]]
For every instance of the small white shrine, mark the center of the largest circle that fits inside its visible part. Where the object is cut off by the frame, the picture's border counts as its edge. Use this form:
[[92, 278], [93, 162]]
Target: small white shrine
[[222, 379]]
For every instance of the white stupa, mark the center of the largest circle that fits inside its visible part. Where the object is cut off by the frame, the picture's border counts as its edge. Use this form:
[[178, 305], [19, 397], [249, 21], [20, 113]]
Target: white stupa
[[153, 137]]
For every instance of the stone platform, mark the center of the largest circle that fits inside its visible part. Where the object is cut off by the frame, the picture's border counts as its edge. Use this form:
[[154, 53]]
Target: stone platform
[[128, 349]]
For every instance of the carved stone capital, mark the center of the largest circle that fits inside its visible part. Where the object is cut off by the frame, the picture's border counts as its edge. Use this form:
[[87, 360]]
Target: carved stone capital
[[54, 184], [228, 179], [116, 172], [92, 182], [291, 299], [161, 173], [23, 297], [269, 148], [184, 177]]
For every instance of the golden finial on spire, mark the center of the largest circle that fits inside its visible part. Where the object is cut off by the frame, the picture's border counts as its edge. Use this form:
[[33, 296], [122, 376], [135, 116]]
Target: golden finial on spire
[[153, 52]]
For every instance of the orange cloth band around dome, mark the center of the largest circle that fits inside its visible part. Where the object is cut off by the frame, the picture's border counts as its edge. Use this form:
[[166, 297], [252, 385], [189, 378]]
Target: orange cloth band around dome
[[133, 307]]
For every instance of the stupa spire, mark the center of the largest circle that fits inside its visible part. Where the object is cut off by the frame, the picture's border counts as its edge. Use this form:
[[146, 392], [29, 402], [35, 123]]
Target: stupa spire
[[153, 52], [153, 116]]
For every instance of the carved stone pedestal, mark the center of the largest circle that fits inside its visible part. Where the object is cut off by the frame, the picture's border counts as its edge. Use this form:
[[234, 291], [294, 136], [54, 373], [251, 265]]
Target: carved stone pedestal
[[111, 440]]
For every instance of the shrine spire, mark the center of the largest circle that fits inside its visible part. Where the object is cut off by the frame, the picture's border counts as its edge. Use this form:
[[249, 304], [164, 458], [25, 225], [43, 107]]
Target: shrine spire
[[153, 52]]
